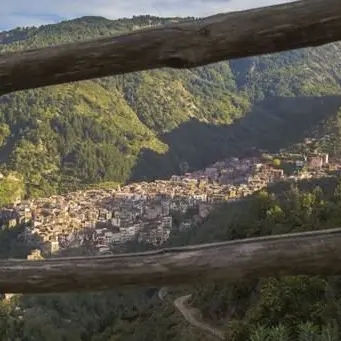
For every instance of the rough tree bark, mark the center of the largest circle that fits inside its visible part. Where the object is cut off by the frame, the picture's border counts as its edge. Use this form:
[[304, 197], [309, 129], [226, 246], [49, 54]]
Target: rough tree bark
[[183, 45], [311, 253]]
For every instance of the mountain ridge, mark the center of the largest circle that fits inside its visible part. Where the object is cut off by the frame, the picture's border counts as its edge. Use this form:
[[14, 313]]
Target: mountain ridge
[[144, 125]]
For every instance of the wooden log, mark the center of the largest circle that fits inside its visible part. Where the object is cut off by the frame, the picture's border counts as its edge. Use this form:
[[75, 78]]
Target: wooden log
[[183, 45], [311, 253]]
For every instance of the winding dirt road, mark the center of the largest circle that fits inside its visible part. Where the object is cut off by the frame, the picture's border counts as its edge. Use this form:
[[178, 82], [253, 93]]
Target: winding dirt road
[[192, 315]]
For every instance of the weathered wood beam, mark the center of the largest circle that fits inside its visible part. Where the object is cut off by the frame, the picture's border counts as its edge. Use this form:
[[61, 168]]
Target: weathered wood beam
[[183, 45], [311, 253]]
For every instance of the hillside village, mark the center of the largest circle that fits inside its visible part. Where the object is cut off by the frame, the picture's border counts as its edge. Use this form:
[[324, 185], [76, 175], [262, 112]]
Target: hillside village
[[107, 218]]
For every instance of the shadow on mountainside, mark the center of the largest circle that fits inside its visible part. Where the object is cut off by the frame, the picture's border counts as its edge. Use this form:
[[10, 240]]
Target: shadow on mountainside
[[272, 124]]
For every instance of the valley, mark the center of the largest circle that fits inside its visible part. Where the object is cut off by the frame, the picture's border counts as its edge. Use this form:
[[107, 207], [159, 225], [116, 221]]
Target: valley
[[105, 219], [238, 149], [144, 126]]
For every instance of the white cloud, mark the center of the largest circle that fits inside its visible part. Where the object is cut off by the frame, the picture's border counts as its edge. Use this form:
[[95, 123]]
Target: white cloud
[[15, 13]]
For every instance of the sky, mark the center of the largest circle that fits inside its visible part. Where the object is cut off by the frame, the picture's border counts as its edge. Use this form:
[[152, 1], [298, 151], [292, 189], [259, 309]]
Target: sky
[[19, 13]]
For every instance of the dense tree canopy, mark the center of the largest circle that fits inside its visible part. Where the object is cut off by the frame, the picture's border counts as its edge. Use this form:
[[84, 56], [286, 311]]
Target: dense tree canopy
[[157, 123], [148, 124], [296, 307]]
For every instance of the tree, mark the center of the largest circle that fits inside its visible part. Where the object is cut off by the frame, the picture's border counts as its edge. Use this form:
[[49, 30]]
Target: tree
[[260, 333], [237, 330], [278, 333], [307, 332], [330, 333], [276, 162]]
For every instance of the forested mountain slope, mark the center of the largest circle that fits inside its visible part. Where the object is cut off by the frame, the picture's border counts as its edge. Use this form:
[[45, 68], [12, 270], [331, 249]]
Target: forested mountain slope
[[277, 308], [271, 309], [144, 125]]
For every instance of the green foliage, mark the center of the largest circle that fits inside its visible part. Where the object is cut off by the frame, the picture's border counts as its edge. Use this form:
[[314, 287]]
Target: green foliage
[[329, 333], [260, 333], [12, 188], [279, 308], [150, 124], [104, 185], [307, 332], [4, 133], [237, 330], [155, 123], [276, 162], [278, 333]]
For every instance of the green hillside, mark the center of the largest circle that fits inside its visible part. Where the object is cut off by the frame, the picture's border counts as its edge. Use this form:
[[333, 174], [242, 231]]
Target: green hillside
[[144, 125], [284, 308], [299, 308]]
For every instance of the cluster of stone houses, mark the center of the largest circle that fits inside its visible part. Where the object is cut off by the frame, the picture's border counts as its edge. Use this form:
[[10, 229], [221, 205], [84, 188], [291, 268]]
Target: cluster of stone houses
[[317, 160], [103, 217], [108, 218], [232, 179]]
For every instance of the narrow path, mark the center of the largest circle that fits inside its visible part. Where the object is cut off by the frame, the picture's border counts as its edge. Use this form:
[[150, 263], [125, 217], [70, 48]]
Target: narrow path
[[192, 315]]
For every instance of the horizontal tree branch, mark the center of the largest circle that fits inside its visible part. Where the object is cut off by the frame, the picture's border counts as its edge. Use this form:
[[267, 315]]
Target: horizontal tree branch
[[311, 253], [183, 45]]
